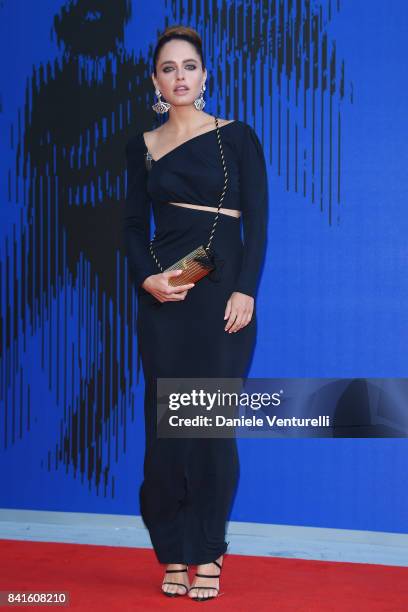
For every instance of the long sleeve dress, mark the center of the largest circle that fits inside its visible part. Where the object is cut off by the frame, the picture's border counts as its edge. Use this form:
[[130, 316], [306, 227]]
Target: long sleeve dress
[[189, 483]]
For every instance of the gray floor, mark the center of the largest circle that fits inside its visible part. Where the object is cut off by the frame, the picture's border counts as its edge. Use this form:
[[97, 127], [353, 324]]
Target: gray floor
[[245, 538]]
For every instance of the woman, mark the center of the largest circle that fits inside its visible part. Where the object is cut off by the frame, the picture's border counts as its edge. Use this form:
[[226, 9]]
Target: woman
[[206, 329]]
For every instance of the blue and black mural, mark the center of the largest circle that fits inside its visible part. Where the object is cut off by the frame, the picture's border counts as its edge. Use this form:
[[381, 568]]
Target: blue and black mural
[[76, 84]]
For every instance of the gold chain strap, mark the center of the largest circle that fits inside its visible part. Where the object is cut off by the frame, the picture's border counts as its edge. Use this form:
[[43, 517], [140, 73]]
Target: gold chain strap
[[219, 205]]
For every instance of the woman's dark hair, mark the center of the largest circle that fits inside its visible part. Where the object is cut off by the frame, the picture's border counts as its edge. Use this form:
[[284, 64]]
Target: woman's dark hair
[[179, 32]]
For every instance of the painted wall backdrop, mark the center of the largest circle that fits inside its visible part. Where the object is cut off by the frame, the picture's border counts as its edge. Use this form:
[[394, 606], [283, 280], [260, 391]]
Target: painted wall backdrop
[[322, 83]]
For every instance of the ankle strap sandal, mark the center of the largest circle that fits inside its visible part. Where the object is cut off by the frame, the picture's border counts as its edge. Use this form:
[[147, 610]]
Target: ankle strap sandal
[[207, 587], [175, 571]]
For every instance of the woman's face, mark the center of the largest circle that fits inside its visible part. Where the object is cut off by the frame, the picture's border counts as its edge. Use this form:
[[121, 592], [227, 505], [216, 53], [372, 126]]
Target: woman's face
[[178, 64]]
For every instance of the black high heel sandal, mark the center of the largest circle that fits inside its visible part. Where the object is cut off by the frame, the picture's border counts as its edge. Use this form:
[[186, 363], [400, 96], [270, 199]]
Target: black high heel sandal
[[207, 587], [174, 571]]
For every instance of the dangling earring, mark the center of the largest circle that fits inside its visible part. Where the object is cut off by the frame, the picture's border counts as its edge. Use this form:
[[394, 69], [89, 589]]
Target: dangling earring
[[160, 107], [199, 102]]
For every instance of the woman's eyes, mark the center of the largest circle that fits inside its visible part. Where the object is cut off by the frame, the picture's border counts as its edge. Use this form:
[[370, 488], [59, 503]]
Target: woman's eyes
[[187, 65]]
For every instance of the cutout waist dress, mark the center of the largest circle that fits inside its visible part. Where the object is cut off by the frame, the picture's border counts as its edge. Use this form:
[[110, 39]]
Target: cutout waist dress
[[189, 482]]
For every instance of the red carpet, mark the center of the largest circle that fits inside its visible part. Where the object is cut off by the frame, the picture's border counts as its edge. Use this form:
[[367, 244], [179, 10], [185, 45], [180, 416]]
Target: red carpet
[[124, 579]]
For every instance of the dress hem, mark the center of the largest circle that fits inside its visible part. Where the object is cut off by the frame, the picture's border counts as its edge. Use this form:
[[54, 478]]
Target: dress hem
[[195, 560]]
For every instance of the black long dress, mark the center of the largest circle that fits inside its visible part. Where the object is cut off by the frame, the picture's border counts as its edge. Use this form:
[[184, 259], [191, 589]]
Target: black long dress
[[189, 484]]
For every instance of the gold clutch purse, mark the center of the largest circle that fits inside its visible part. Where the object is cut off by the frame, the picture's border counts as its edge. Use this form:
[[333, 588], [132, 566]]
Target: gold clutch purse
[[199, 262], [195, 265]]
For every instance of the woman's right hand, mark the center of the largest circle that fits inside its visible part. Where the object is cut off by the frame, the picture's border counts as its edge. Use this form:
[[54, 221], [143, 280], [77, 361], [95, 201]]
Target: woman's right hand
[[158, 286]]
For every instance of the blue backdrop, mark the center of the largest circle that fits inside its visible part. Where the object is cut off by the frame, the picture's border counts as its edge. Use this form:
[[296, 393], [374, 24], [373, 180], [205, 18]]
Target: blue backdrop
[[322, 83]]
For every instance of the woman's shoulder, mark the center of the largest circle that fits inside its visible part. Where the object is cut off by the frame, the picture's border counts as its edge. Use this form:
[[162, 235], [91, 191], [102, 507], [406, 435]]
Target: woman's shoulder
[[141, 139], [248, 135], [135, 143], [245, 128], [150, 135], [248, 144], [242, 131], [147, 139]]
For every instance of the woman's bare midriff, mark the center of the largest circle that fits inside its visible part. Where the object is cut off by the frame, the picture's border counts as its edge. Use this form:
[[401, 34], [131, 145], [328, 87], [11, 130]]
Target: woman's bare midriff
[[224, 211]]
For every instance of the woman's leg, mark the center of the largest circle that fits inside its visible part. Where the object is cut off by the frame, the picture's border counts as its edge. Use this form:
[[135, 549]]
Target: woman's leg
[[163, 490], [187, 491], [212, 477]]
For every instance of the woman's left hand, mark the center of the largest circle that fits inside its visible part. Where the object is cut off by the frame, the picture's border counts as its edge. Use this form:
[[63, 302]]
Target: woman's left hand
[[238, 311]]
